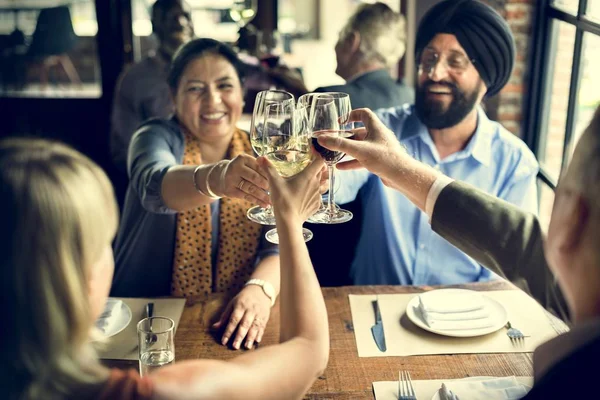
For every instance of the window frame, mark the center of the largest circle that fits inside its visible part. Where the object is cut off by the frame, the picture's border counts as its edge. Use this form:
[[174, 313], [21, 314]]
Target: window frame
[[541, 73]]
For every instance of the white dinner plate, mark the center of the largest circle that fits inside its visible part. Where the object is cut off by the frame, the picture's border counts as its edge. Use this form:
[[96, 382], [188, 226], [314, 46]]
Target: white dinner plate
[[436, 396], [498, 314], [122, 321]]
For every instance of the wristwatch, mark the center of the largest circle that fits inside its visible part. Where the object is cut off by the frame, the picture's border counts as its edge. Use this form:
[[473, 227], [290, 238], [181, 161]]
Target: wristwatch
[[267, 288]]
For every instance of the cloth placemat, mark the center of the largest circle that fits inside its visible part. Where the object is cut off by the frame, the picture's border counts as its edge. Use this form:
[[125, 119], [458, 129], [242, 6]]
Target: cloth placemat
[[123, 345], [424, 390], [404, 338]]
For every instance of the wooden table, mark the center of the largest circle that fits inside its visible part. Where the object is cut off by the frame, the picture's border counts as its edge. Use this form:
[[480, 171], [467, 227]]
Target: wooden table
[[347, 376]]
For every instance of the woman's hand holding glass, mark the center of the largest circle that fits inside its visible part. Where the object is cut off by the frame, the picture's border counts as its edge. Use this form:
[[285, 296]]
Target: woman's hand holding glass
[[296, 198], [239, 178]]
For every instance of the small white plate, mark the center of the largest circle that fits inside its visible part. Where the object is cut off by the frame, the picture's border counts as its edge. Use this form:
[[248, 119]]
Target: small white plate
[[498, 314], [122, 322]]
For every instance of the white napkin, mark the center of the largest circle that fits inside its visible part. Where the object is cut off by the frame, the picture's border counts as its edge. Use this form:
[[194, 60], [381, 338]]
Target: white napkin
[[451, 302], [110, 315], [456, 311], [507, 388]]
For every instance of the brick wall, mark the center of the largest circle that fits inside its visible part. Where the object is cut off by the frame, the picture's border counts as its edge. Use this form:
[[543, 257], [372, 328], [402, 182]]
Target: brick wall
[[507, 106]]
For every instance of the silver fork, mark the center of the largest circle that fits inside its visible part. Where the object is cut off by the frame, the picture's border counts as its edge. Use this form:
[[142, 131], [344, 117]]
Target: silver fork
[[405, 387], [515, 335]]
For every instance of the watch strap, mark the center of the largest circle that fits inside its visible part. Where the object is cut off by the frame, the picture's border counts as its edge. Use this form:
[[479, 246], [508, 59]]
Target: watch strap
[[267, 288]]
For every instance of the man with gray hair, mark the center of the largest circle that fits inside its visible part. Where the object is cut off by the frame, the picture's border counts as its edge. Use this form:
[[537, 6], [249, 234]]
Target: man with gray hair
[[371, 42]]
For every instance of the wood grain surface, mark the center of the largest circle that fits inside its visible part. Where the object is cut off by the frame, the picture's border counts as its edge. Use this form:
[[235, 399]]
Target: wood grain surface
[[347, 376]]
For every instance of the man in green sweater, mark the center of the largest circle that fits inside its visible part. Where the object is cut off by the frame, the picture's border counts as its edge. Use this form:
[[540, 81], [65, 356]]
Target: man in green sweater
[[510, 242]]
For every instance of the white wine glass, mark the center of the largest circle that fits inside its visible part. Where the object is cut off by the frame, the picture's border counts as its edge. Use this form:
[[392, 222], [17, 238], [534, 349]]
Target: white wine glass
[[329, 115], [287, 140], [242, 11], [258, 214]]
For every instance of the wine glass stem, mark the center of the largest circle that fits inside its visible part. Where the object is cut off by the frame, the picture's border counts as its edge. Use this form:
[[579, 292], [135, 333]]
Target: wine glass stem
[[330, 198]]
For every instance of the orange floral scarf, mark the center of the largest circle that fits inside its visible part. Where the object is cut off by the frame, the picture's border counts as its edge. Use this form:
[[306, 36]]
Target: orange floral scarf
[[238, 237]]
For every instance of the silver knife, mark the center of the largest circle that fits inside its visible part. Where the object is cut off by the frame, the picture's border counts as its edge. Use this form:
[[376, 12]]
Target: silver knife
[[149, 311], [377, 329]]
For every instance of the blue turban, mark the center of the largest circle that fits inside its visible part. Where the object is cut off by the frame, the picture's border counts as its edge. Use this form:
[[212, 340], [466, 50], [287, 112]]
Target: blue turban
[[481, 31]]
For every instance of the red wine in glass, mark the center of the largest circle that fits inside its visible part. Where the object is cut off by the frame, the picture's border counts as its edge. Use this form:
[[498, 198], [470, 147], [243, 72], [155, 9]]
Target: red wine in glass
[[331, 157]]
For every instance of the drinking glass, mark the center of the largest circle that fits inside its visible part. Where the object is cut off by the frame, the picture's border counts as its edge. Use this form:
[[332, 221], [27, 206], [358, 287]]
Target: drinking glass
[[260, 215], [306, 100], [242, 11], [155, 343], [286, 143], [329, 115]]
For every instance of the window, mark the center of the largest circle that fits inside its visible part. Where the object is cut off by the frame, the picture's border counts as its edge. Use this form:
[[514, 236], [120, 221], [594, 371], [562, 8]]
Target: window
[[570, 6], [593, 11], [48, 49], [564, 87], [211, 18]]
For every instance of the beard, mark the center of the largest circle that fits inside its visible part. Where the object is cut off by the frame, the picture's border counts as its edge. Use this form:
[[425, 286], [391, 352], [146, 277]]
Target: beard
[[435, 115]]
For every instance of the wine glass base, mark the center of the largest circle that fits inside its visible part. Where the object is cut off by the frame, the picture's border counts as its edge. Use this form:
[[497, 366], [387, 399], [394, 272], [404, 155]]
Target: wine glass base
[[273, 237], [339, 216], [263, 216]]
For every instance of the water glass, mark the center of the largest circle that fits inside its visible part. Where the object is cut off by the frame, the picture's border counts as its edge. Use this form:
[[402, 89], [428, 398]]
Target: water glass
[[155, 343]]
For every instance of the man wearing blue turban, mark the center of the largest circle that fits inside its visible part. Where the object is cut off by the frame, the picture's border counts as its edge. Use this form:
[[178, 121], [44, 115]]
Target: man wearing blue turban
[[465, 52]]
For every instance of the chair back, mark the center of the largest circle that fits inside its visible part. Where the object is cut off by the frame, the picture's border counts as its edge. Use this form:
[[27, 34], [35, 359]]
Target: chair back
[[53, 33]]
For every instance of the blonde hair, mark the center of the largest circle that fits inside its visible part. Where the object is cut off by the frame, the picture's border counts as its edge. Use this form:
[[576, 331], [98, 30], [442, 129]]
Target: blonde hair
[[382, 33], [59, 214]]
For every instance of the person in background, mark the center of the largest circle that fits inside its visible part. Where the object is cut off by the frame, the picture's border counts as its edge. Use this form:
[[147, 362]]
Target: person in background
[[561, 271], [184, 230], [466, 51], [61, 204], [142, 91], [370, 44]]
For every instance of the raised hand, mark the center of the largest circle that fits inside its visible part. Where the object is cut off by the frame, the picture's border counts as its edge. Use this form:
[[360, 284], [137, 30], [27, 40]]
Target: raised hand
[[297, 197], [239, 178], [373, 147]]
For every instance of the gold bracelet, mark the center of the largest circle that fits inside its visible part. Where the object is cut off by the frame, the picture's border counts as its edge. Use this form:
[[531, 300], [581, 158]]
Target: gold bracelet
[[213, 195], [198, 189]]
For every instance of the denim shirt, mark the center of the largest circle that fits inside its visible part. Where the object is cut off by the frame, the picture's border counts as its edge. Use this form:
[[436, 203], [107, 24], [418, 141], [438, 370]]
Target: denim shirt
[[146, 239], [397, 245]]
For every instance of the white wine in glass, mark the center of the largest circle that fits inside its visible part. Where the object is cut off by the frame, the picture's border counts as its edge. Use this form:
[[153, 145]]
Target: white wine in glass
[[287, 141], [289, 162], [260, 215]]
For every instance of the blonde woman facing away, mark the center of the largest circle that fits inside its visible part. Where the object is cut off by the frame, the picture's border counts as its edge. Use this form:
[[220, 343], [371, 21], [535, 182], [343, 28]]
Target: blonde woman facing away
[[55, 275]]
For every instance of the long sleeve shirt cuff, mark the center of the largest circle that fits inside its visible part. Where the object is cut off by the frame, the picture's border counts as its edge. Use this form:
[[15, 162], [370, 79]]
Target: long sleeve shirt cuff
[[435, 190]]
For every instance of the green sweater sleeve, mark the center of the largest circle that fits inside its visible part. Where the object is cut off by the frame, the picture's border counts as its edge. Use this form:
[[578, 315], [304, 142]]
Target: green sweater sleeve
[[500, 237]]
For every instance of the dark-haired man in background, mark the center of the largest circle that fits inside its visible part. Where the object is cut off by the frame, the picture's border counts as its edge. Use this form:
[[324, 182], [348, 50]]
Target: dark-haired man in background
[[465, 51], [142, 91]]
